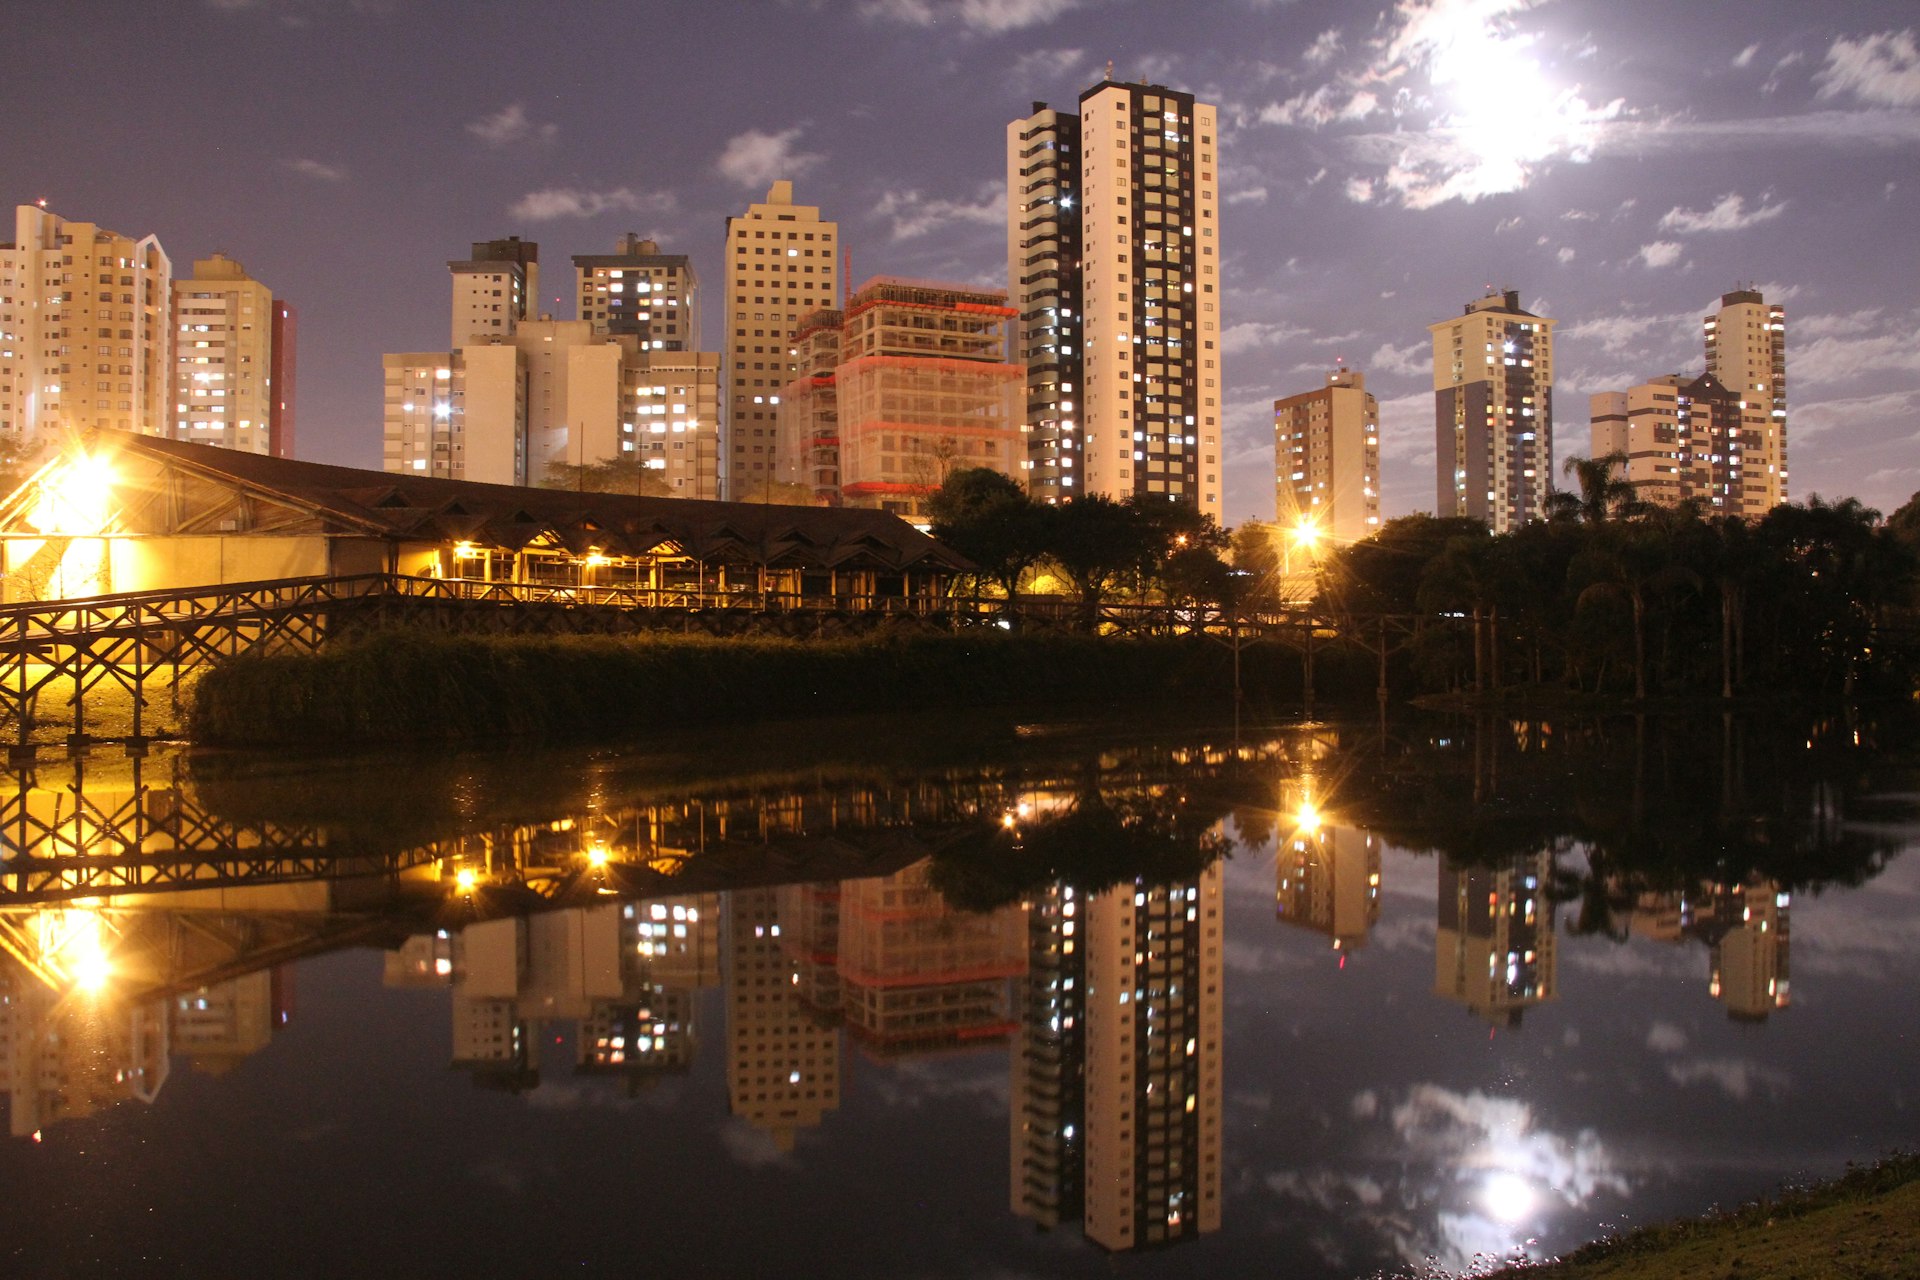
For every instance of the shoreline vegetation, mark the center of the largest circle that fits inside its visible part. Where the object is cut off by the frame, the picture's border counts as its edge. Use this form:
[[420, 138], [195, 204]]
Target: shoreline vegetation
[[1864, 1224], [417, 686]]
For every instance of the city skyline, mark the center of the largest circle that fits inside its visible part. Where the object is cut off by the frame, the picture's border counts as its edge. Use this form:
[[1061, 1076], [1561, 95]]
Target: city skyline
[[1369, 181]]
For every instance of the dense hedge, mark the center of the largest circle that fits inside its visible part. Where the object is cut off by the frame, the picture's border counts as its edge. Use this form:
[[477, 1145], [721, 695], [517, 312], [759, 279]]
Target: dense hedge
[[407, 685]]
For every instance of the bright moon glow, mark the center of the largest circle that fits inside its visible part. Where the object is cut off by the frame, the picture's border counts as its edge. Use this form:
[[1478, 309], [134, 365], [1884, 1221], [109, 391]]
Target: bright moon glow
[[1497, 113], [1508, 1197]]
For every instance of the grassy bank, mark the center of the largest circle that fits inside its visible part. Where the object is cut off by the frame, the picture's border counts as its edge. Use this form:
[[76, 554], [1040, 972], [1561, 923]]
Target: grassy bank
[[1864, 1226], [408, 685]]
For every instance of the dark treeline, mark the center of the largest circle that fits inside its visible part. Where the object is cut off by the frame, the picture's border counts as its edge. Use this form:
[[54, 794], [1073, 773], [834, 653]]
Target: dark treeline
[[1617, 597], [1607, 596]]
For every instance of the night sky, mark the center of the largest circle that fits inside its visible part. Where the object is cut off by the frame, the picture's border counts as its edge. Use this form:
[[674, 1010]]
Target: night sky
[[1619, 162]]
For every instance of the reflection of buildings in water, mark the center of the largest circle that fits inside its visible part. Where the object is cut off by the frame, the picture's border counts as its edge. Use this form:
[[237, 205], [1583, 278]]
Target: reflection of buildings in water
[[916, 974], [1495, 950], [1116, 1098], [1746, 928], [783, 1066], [66, 1055], [1329, 882], [622, 974], [216, 1027], [811, 938]]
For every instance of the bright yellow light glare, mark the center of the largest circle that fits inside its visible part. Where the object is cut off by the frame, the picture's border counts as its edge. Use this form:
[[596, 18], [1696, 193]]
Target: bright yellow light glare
[[597, 855], [465, 551], [75, 497], [1306, 534], [1308, 819], [466, 879]]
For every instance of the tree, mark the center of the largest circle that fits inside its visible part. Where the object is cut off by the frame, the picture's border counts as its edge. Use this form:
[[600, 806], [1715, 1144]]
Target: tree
[[1603, 489], [609, 475], [989, 519], [1097, 544]]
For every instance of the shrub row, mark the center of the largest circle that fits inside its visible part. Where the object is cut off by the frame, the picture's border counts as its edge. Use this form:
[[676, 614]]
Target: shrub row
[[396, 686]]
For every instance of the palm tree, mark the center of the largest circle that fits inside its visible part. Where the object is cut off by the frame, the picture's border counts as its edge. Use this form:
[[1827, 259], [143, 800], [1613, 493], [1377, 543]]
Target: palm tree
[[1604, 489]]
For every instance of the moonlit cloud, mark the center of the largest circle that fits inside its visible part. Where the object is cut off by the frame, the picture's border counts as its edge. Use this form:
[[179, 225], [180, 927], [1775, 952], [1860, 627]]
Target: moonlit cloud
[[1730, 214], [318, 171], [914, 214], [509, 125], [988, 17], [1882, 69], [1661, 253], [575, 202], [757, 159], [1250, 335]]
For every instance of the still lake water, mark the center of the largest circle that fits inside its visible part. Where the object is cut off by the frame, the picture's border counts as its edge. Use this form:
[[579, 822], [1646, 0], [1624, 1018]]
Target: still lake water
[[923, 999]]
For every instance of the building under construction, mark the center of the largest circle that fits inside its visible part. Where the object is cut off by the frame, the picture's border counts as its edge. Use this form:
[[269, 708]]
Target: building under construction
[[912, 383]]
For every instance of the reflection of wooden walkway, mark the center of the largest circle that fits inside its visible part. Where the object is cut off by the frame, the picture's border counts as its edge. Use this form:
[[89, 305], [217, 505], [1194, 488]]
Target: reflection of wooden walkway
[[129, 641]]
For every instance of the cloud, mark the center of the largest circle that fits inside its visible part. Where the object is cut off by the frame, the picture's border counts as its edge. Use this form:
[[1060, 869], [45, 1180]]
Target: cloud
[[1410, 360], [317, 170], [1661, 253], [1883, 69], [1565, 255], [510, 125], [1810, 421], [1041, 65], [1836, 358], [914, 214], [757, 159], [1730, 214], [575, 202], [1250, 195], [985, 17], [1324, 46], [1250, 335], [1837, 324], [1623, 332], [1745, 57]]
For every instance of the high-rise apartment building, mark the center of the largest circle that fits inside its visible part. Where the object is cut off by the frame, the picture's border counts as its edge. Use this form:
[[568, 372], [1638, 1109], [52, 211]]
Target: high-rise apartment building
[[1688, 439], [918, 385], [225, 357], [494, 290], [1113, 263], [284, 374], [1746, 341], [636, 290], [522, 393], [782, 265], [1493, 412], [1326, 447], [86, 330]]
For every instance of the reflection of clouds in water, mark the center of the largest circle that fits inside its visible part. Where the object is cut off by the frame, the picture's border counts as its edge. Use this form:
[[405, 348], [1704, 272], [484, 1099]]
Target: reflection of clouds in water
[[1479, 1175], [1509, 1171], [1402, 933], [1736, 1077], [754, 1148], [1853, 945], [912, 1084], [1266, 956], [1633, 959], [1664, 1037]]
